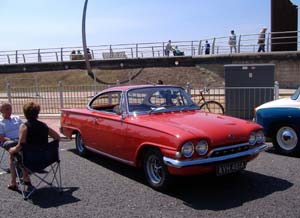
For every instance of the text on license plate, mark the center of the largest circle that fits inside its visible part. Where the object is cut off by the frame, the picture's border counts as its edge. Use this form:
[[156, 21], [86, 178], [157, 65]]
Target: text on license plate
[[231, 167]]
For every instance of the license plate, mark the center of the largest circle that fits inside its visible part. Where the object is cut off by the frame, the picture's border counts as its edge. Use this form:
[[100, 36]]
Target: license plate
[[231, 167]]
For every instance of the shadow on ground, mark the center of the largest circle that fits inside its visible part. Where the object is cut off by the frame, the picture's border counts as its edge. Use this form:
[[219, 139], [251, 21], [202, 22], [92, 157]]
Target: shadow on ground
[[272, 150], [46, 197], [207, 192]]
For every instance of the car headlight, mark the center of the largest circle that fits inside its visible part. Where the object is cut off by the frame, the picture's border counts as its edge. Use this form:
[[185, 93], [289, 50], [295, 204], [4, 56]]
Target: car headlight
[[252, 138], [202, 147], [260, 138], [187, 149]]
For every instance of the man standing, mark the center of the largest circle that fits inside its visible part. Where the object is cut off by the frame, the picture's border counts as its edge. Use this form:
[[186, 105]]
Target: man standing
[[168, 48], [9, 127], [232, 41], [261, 40], [207, 48]]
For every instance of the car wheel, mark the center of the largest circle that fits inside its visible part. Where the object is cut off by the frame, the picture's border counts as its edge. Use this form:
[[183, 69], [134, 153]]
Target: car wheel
[[286, 141], [155, 170], [82, 151]]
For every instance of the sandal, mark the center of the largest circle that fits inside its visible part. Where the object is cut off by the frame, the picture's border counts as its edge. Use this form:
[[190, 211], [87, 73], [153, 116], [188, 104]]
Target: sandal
[[13, 187]]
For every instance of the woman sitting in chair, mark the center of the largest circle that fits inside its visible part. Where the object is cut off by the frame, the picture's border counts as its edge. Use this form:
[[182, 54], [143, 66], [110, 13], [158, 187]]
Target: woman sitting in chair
[[32, 132]]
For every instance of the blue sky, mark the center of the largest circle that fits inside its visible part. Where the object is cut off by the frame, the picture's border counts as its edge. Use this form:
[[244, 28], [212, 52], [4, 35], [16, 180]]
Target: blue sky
[[30, 24]]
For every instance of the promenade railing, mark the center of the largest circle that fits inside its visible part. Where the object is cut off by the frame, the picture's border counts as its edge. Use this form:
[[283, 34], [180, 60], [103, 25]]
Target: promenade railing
[[218, 45]]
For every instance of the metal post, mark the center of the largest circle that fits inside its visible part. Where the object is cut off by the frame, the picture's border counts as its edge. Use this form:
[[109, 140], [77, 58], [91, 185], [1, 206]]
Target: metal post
[[163, 49], [110, 52], [192, 48], [60, 90], [276, 90], [61, 55], [93, 55], [199, 47], [131, 52], [8, 90], [152, 51], [268, 42], [56, 56], [137, 50], [188, 88], [36, 87], [16, 56], [24, 60], [129, 78], [213, 46], [39, 56], [239, 44], [8, 59]]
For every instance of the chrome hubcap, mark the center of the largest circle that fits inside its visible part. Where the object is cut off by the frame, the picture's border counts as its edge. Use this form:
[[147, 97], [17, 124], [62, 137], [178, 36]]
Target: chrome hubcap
[[287, 138], [154, 169]]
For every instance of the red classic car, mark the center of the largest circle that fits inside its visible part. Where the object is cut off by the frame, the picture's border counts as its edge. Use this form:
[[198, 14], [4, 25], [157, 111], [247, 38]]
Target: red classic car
[[162, 130]]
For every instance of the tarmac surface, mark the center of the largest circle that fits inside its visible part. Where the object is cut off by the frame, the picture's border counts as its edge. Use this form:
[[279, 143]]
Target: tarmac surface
[[96, 186]]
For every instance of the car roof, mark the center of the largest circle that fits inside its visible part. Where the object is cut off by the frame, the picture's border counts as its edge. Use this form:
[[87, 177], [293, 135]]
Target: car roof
[[125, 88]]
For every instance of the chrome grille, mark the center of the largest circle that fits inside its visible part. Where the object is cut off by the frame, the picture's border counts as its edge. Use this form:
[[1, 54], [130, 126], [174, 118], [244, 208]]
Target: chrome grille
[[218, 152]]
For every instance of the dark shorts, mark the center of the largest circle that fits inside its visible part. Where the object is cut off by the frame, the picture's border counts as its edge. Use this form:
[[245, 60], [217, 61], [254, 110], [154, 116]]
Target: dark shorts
[[9, 144]]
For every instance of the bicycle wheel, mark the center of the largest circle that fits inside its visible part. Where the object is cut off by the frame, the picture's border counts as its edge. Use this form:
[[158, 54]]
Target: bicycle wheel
[[213, 107]]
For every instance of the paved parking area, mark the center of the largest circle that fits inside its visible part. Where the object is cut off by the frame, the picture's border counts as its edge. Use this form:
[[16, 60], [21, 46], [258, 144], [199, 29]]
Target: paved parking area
[[100, 187]]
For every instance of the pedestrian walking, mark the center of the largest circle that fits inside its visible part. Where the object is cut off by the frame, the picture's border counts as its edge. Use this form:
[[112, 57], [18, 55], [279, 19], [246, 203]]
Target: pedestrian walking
[[261, 40], [168, 48]]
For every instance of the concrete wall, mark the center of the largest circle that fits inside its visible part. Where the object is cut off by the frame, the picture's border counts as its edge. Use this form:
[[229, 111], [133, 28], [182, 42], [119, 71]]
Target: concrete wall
[[287, 64]]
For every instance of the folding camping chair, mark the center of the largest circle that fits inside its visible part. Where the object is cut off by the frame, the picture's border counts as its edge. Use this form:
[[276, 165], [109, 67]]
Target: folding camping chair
[[37, 160], [2, 156]]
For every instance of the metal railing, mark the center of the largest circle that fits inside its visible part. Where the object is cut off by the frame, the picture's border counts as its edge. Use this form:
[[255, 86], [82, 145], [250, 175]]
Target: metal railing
[[54, 98], [218, 45]]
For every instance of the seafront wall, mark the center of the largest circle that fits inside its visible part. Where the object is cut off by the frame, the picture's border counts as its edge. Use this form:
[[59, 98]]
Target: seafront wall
[[287, 64]]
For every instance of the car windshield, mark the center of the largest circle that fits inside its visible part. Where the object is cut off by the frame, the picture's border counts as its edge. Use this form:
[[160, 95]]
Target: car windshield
[[159, 99], [295, 96]]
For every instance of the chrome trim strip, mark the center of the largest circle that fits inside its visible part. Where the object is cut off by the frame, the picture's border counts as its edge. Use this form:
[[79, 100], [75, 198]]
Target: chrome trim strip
[[227, 147], [110, 156], [185, 163]]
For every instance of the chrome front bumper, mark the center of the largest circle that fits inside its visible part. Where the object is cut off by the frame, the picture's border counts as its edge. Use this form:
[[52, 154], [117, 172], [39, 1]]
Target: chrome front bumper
[[185, 163]]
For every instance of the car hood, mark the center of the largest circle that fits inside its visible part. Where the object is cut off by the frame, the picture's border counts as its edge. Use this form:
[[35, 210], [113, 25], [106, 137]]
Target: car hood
[[283, 102], [186, 125]]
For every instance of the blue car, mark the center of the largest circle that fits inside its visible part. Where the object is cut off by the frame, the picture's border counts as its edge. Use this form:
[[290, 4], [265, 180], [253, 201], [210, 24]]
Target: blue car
[[281, 122]]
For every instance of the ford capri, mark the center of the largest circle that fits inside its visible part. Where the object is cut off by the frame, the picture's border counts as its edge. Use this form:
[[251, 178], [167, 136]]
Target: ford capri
[[160, 129], [281, 122]]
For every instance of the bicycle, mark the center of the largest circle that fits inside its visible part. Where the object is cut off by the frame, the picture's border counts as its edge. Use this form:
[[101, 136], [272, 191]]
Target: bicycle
[[211, 105]]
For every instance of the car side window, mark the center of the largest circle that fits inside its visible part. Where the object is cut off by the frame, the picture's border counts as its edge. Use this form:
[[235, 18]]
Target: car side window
[[107, 102]]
